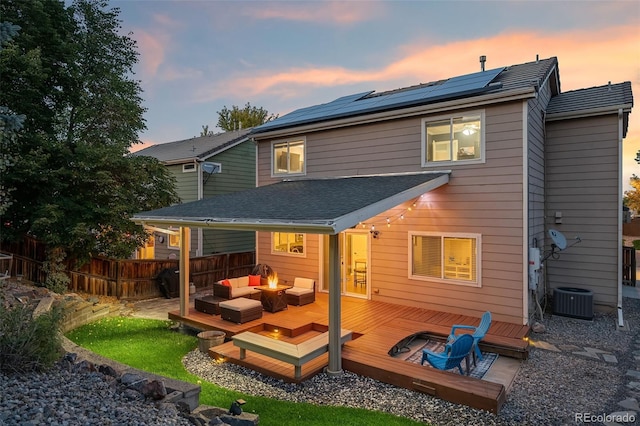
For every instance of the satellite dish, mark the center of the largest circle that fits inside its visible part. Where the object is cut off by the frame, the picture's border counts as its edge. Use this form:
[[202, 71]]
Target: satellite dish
[[210, 168], [558, 239]]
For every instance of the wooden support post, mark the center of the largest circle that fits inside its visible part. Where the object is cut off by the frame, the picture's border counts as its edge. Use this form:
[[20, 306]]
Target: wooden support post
[[335, 349]]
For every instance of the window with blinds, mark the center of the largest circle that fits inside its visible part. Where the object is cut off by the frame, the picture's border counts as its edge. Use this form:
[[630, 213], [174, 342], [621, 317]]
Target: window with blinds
[[445, 257]]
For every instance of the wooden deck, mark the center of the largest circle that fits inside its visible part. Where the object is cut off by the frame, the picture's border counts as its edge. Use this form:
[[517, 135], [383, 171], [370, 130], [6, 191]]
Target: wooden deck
[[376, 327]]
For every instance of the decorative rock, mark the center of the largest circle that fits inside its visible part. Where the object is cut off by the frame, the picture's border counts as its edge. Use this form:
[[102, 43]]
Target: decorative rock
[[154, 389], [84, 366], [538, 327], [130, 378], [107, 370], [133, 395], [630, 404], [244, 419]]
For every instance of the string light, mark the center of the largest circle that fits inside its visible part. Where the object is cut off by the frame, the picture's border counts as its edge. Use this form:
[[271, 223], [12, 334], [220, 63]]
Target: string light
[[391, 219]]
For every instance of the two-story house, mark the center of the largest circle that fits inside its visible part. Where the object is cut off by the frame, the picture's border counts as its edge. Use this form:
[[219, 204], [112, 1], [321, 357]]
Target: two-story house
[[434, 195], [204, 167]]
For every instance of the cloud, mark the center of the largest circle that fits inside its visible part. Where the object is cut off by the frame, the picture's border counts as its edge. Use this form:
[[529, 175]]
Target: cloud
[[154, 44], [590, 57], [319, 13], [152, 52], [142, 145]]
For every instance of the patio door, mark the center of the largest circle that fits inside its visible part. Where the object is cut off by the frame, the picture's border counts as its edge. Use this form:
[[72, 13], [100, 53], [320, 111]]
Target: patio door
[[354, 263]]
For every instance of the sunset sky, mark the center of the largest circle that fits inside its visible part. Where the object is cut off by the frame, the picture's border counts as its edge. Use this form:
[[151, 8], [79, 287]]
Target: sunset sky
[[198, 56]]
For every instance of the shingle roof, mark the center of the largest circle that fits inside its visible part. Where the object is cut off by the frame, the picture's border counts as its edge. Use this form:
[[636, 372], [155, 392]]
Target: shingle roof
[[610, 96], [328, 205], [502, 79], [194, 148], [527, 74]]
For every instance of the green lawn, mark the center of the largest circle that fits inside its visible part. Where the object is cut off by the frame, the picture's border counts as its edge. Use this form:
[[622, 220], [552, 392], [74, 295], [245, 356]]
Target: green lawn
[[151, 345]]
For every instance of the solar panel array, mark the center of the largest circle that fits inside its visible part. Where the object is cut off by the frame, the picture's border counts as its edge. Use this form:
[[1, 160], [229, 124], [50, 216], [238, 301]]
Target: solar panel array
[[363, 103]]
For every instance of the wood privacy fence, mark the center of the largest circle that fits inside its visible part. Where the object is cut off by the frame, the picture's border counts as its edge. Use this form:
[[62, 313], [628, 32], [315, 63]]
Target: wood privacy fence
[[127, 278], [628, 266]]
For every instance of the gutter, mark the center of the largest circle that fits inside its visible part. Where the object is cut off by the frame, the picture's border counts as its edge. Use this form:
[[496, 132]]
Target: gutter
[[589, 112], [327, 227], [492, 98]]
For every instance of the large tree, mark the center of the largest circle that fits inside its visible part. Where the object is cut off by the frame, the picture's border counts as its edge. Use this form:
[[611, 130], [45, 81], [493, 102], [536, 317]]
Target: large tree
[[72, 184], [632, 197], [249, 116]]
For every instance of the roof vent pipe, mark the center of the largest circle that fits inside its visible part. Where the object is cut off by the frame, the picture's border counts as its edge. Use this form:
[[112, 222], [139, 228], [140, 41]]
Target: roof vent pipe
[[483, 59], [537, 58]]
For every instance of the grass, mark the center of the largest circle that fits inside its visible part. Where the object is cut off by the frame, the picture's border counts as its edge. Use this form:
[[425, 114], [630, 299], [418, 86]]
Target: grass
[[151, 345]]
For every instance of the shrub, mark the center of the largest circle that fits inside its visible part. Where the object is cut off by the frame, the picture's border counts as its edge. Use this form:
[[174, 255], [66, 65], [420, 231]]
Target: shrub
[[57, 280], [636, 244], [28, 343]]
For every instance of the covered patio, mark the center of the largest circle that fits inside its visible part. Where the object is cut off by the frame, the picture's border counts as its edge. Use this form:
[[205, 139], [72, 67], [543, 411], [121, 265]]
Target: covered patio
[[330, 206], [317, 206]]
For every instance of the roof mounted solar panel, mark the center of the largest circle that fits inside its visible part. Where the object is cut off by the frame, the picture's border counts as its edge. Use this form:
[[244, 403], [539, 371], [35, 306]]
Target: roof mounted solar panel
[[365, 102]]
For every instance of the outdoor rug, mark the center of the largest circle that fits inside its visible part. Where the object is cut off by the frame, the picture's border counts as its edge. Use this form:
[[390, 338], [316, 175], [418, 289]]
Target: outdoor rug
[[478, 371]]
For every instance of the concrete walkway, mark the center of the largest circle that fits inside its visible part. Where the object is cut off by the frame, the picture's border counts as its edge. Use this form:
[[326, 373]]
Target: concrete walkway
[[158, 308]]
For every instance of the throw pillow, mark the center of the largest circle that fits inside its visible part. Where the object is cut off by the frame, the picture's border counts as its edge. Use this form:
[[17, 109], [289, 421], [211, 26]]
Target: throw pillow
[[226, 283], [254, 280]]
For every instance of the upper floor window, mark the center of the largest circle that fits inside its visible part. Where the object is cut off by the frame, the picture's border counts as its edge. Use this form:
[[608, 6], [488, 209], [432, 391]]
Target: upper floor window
[[445, 257], [453, 139], [288, 157], [288, 243]]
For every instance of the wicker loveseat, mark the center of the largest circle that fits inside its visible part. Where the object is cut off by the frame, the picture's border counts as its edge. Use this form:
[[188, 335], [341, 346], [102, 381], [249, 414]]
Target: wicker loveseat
[[232, 288]]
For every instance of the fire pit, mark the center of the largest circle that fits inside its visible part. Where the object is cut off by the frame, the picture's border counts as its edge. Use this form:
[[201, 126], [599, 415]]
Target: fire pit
[[272, 295]]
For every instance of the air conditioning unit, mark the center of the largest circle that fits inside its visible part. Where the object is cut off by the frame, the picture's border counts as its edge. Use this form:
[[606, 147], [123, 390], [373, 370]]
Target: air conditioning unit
[[573, 302]]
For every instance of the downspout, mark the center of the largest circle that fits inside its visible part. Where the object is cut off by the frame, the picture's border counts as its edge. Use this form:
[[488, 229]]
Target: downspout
[[525, 212], [620, 131], [200, 196]]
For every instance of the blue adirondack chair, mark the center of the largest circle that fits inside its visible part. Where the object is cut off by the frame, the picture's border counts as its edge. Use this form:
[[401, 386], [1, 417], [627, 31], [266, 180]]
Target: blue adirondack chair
[[452, 355], [478, 333]]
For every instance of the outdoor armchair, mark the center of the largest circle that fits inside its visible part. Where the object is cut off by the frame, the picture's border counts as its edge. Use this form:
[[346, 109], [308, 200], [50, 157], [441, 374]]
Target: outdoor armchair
[[302, 292], [477, 333], [452, 355]]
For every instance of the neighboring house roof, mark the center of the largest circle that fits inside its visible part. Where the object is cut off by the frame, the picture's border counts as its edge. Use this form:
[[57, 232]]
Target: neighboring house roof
[[196, 148], [322, 206], [530, 75]]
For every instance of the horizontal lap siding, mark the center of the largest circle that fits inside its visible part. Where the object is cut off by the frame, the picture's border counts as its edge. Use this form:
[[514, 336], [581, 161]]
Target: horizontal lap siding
[[536, 183], [582, 183], [238, 174], [288, 267], [482, 198]]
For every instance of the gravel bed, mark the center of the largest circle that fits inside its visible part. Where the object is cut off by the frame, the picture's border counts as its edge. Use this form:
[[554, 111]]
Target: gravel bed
[[550, 388], [65, 398]]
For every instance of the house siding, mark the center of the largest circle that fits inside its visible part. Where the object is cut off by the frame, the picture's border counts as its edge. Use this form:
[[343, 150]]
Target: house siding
[[162, 250], [483, 199], [583, 184], [238, 174], [536, 181], [186, 183]]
